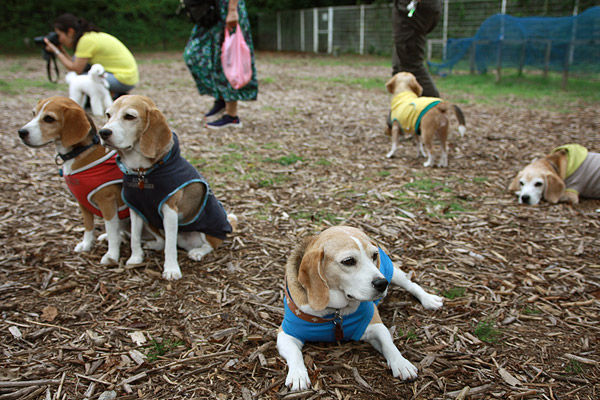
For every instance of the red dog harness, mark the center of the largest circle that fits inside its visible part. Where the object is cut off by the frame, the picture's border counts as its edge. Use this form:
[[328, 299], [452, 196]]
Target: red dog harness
[[87, 181]]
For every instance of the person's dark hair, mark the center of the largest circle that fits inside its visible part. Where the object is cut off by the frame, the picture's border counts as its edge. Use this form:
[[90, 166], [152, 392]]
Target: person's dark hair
[[80, 25]]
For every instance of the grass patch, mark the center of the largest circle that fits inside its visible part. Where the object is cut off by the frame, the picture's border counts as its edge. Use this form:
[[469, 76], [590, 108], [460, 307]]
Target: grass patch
[[18, 85], [454, 293], [323, 162], [531, 311], [159, 349], [285, 160], [365, 83], [408, 336], [543, 92], [574, 367], [486, 331]]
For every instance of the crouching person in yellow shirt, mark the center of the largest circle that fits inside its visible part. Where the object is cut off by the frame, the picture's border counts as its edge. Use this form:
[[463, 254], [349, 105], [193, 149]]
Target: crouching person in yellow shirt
[[94, 47]]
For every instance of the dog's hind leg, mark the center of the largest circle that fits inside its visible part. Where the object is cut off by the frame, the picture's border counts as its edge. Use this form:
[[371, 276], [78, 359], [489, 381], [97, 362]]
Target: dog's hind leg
[[114, 241], [290, 349]]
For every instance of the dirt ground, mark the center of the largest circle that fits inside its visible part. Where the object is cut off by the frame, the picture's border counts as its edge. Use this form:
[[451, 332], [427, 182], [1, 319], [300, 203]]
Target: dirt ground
[[522, 284]]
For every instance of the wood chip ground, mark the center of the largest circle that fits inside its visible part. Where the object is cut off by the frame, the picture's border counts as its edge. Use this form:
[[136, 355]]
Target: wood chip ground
[[523, 283]]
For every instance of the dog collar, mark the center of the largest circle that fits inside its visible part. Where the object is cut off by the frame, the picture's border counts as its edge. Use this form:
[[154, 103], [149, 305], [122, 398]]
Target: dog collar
[[77, 150], [142, 172], [337, 319]]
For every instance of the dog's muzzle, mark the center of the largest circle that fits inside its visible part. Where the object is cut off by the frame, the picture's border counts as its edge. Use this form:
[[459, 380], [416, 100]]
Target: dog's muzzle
[[380, 284]]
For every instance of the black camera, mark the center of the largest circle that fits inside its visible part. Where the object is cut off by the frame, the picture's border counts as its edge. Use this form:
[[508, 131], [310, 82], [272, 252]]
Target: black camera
[[39, 40]]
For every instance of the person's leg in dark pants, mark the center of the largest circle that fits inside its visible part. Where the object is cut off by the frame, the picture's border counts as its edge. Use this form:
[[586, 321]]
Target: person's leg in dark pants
[[409, 34]]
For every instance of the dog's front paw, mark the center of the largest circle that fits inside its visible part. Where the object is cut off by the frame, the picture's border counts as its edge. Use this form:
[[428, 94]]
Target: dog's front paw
[[102, 237], [432, 302], [402, 368], [83, 246], [390, 154], [172, 275], [109, 258], [297, 379], [198, 254], [135, 259]]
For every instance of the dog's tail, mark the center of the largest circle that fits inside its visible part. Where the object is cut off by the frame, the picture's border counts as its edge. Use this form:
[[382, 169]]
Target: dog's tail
[[461, 120], [233, 221]]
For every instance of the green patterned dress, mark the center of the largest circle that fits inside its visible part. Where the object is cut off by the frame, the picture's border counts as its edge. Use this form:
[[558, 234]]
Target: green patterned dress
[[202, 56]]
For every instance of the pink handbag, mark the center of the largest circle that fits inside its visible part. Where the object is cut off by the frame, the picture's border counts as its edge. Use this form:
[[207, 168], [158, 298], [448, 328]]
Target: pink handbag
[[236, 59]]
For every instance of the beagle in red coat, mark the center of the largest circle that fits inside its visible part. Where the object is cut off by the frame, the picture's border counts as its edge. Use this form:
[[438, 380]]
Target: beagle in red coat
[[333, 283], [89, 169]]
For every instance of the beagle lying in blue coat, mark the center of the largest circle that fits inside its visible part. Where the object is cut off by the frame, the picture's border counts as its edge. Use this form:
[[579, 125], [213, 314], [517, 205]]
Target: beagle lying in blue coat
[[333, 283]]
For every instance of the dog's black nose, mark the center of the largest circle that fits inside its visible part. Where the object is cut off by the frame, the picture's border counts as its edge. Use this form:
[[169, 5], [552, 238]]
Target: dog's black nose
[[380, 284], [105, 133], [23, 133], [525, 198]]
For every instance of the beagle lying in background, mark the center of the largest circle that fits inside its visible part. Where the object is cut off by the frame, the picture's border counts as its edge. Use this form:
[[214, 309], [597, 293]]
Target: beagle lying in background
[[161, 187], [565, 174], [90, 170], [333, 283], [92, 85], [424, 117]]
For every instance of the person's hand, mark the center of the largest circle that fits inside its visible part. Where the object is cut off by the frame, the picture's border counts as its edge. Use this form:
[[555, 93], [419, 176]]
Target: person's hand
[[232, 19], [50, 47]]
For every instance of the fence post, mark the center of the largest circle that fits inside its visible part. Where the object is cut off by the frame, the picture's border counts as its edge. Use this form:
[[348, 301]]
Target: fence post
[[315, 30], [278, 31], [361, 40], [330, 30], [302, 32]]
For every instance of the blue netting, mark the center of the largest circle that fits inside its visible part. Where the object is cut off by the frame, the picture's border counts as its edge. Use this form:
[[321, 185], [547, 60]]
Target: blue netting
[[535, 42]]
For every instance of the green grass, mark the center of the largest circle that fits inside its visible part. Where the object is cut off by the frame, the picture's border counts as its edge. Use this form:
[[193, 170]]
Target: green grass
[[531, 311], [411, 335], [574, 367], [454, 293], [540, 92], [365, 83], [285, 160], [486, 331], [159, 349], [18, 85]]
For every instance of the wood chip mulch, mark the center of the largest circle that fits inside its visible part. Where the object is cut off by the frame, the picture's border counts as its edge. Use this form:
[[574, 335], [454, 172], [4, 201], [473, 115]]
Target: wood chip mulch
[[522, 284]]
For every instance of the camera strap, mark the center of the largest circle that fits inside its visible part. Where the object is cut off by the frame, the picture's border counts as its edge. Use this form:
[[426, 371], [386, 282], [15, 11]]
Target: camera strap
[[49, 69]]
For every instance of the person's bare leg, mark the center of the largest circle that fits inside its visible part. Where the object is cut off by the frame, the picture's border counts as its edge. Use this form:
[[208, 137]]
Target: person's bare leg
[[231, 108]]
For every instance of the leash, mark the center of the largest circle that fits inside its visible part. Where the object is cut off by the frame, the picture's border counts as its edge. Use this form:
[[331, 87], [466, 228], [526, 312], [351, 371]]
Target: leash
[[337, 319]]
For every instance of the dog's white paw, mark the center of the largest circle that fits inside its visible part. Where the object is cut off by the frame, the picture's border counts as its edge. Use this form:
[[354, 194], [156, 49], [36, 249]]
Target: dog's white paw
[[198, 254], [171, 274], [297, 379], [158, 245], [432, 302], [427, 163], [109, 258], [135, 259], [402, 368], [102, 237], [390, 154], [83, 246]]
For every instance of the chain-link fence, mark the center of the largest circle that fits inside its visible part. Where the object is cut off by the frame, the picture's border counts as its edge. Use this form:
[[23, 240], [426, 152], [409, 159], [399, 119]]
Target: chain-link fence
[[366, 29]]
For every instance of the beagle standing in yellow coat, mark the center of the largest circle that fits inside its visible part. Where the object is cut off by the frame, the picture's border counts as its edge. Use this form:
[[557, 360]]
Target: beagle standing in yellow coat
[[423, 117], [162, 188], [565, 174], [90, 170], [332, 285]]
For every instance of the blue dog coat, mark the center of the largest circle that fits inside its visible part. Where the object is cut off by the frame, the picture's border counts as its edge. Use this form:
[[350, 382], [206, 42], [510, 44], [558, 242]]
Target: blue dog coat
[[161, 182], [353, 325]]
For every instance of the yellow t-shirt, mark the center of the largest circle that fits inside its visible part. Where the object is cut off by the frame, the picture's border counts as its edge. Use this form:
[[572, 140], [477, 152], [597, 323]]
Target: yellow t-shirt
[[577, 155], [114, 56], [408, 108]]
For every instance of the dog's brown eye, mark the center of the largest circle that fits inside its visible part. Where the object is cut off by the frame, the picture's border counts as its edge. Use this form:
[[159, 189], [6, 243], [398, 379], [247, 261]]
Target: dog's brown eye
[[128, 117], [538, 184], [375, 257], [349, 262], [108, 115], [522, 183], [48, 119]]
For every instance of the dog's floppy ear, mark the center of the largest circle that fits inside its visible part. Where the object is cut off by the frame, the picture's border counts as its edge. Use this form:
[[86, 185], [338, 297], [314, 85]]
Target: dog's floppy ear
[[414, 86], [310, 277], [515, 185], [390, 84], [554, 188], [75, 125], [156, 135]]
